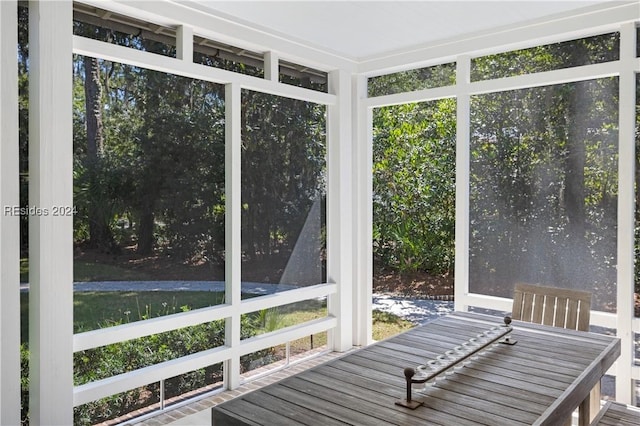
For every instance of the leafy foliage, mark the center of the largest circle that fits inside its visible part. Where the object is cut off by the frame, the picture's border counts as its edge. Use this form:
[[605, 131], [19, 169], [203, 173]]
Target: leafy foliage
[[414, 186], [544, 180]]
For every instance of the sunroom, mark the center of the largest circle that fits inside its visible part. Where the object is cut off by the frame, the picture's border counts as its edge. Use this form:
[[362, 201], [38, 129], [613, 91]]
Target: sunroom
[[197, 194]]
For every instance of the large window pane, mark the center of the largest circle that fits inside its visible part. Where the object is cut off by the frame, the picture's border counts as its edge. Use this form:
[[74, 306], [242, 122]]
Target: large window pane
[[283, 193], [543, 200], [273, 319], [574, 53], [109, 27], [219, 55], [119, 408], [414, 152], [412, 80], [148, 193]]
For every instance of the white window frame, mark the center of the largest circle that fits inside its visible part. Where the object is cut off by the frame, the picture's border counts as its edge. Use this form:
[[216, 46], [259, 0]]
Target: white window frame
[[349, 186]]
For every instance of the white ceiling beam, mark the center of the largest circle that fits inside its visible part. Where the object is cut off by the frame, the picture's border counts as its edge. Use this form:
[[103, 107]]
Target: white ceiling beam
[[129, 56], [184, 43], [592, 21], [206, 24], [271, 66]]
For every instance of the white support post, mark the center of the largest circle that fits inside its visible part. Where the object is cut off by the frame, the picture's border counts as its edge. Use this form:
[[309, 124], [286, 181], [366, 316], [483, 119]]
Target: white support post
[[363, 209], [50, 230], [233, 119], [340, 218], [272, 66], [463, 110], [626, 212], [184, 43], [9, 218]]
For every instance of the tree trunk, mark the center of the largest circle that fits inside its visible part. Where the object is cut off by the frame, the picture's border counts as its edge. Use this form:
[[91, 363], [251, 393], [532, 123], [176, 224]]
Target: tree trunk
[[145, 227], [93, 103], [100, 235]]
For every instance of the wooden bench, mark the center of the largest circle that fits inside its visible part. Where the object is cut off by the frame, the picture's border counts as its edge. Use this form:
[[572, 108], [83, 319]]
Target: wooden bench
[[614, 413]]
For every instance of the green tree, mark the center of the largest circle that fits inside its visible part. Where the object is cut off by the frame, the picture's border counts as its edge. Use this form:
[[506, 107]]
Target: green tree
[[414, 186]]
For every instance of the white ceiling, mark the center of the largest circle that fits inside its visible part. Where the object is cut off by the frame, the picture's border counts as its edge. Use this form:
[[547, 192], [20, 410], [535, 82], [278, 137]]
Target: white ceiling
[[361, 30]]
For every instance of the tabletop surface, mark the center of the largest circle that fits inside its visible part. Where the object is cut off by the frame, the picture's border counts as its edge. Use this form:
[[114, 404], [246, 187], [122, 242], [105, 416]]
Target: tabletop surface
[[538, 381]]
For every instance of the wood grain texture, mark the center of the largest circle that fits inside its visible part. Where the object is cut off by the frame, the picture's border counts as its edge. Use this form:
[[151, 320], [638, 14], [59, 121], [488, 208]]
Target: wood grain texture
[[538, 381], [614, 413]]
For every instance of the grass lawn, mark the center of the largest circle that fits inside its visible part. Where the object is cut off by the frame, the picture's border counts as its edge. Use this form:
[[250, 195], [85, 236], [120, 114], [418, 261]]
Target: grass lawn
[[92, 271], [93, 310]]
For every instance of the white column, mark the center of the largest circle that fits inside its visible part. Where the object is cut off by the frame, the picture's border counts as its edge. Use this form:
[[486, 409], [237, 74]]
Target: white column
[[463, 73], [340, 218], [363, 214], [232, 100], [271, 66], [184, 43], [626, 211], [50, 235], [9, 219]]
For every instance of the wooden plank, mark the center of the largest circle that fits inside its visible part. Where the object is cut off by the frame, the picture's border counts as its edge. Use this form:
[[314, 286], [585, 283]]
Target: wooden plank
[[366, 383], [558, 345], [223, 417], [497, 412], [368, 413], [580, 388], [539, 301], [527, 307], [502, 388], [387, 402], [571, 320], [540, 380], [392, 379], [315, 403], [578, 336], [561, 312], [500, 396], [408, 349], [239, 412], [620, 414], [469, 409], [549, 312], [538, 393], [525, 377], [392, 392], [411, 358], [541, 361], [291, 411]]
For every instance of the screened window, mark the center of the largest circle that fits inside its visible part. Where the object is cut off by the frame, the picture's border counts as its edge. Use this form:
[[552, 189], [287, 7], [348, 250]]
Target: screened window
[[412, 80], [543, 189], [574, 53], [283, 193]]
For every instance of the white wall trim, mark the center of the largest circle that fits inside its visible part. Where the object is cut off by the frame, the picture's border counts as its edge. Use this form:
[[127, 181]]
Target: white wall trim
[[463, 134], [129, 56], [626, 212], [271, 66], [233, 200], [340, 191], [50, 237], [154, 373], [184, 43], [9, 222], [363, 214]]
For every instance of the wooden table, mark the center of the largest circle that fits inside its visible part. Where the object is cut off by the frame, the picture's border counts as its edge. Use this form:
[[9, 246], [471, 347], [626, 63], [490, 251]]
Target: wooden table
[[540, 380]]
